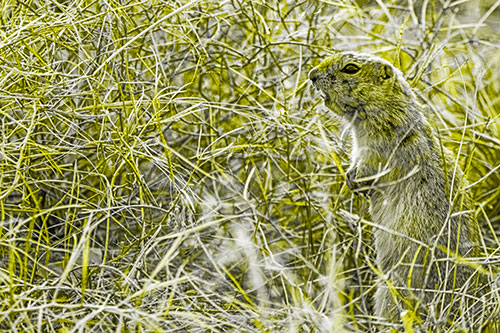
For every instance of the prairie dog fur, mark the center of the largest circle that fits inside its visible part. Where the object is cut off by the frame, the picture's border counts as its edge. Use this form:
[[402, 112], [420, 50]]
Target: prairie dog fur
[[415, 187]]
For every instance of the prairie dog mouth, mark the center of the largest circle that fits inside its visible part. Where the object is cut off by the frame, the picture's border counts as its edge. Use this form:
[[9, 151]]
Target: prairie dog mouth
[[324, 95], [318, 85]]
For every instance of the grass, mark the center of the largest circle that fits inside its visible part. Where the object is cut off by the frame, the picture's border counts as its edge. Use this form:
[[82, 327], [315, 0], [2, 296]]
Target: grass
[[166, 167]]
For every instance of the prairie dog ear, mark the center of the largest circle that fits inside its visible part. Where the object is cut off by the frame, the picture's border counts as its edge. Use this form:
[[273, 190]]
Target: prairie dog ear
[[386, 71]]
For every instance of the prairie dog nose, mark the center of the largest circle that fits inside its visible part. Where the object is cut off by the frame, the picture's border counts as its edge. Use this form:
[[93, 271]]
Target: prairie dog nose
[[313, 75]]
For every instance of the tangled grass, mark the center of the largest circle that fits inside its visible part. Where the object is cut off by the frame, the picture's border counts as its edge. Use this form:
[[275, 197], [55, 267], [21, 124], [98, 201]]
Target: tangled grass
[[165, 166]]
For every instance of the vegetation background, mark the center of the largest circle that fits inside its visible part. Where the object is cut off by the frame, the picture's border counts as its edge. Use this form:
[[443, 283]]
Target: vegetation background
[[165, 166]]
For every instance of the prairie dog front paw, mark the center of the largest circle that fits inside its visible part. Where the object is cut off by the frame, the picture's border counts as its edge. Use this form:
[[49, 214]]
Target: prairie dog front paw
[[355, 185]]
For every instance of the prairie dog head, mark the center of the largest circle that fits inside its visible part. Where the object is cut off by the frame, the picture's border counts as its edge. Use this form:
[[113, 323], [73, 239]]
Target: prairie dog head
[[358, 86]]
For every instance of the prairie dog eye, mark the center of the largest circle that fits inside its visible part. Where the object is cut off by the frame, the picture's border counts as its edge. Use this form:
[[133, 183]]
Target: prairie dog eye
[[350, 69]]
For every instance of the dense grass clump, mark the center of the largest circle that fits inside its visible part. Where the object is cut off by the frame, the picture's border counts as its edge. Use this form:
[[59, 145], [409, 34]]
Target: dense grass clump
[[166, 167]]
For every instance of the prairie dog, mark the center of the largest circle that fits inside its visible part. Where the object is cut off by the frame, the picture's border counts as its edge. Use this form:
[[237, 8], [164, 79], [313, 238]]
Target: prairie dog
[[416, 190]]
